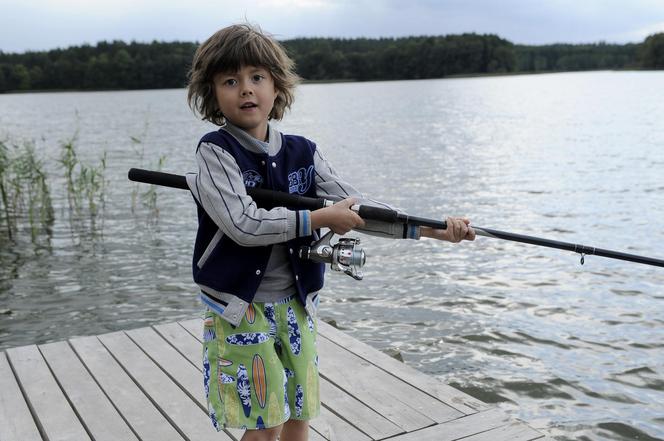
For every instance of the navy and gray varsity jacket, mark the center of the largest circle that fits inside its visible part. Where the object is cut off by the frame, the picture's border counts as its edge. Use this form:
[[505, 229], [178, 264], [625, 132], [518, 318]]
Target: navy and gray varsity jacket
[[235, 237]]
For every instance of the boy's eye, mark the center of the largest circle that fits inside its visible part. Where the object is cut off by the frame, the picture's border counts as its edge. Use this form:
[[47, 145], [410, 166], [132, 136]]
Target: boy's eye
[[258, 77], [230, 82]]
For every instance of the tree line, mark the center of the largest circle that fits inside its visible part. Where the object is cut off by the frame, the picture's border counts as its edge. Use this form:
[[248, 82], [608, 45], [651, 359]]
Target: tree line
[[119, 65]]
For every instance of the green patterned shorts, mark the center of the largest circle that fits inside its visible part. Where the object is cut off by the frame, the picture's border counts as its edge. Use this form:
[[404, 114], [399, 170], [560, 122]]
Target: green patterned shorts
[[263, 372]]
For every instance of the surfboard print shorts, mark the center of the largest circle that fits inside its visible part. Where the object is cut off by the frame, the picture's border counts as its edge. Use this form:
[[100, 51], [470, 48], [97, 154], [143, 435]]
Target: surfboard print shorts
[[263, 372]]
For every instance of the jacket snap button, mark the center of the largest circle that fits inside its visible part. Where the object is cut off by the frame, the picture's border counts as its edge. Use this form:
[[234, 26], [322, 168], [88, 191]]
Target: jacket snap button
[[258, 272], [297, 278], [262, 162], [274, 165], [290, 250]]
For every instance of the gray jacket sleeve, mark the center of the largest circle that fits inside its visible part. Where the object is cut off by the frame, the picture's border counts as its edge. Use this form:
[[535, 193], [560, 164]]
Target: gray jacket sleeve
[[219, 188], [331, 186]]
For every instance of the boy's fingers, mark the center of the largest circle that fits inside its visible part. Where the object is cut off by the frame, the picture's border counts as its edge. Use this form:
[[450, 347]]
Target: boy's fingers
[[350, 201], [450, 229], [463, 229], [359, 222], [458, 229], [471, 234], [452, 225]]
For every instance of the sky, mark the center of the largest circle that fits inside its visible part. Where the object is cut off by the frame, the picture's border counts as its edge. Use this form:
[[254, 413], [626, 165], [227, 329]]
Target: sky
[[49, 24]]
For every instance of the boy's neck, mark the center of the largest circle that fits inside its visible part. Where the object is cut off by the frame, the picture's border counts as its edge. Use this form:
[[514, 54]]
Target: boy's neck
[[264, 138], [271, 146]]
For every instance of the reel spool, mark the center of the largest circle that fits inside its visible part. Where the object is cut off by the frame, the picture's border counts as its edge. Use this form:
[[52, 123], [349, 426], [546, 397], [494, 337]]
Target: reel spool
[[344, 256]]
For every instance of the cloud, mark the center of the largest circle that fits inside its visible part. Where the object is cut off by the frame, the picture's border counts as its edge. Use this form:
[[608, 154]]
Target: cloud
[[45, 24], [643, 32]]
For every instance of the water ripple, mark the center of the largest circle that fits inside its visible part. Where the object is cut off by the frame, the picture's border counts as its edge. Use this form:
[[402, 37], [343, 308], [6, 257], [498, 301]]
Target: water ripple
[[577, 351]]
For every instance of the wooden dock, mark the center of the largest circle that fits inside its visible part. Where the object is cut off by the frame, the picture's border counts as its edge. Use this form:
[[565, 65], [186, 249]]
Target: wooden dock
[[147, 384]]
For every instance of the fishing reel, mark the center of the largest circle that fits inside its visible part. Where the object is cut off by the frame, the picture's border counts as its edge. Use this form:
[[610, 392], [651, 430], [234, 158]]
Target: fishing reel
[[343, 256]]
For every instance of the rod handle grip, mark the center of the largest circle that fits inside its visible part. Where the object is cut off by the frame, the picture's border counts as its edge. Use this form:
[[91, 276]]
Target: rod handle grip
[[266, 198], [377, 213], [271, 199], [158, 178]]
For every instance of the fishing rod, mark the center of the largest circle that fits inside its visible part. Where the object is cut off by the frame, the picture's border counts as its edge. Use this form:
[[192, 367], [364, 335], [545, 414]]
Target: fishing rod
[[348, 258]]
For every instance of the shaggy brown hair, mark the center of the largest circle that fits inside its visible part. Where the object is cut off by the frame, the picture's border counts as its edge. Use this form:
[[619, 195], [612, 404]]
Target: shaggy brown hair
[[230, 49]]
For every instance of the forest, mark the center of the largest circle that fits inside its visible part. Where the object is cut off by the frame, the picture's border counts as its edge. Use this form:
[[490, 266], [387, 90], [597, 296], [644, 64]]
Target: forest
[[118, 65]]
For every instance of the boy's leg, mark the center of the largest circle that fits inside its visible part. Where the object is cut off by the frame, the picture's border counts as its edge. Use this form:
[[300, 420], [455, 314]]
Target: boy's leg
[[297, 334], [263, 434], [295, 430]]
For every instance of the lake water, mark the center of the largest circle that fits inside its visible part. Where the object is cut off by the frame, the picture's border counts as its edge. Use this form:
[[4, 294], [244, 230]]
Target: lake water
[[577, 351]]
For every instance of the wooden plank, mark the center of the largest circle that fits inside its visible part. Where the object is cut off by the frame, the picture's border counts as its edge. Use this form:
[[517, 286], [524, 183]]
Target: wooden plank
[[460, 428], [190, 347], [397, 401], [55, 417], [194, 327], [315, 436], [16, 422], [184, 373], [429, 385], [131, 402], [515, 431], [93, 407], [336, 429], [359, 415], [174, 403]]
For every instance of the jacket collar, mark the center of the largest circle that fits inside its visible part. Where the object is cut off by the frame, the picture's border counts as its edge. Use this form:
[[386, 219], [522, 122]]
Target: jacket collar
[[271, 147]]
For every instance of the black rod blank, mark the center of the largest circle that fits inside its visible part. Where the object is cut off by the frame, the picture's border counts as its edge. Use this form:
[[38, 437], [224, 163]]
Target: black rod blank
[[275, 198]]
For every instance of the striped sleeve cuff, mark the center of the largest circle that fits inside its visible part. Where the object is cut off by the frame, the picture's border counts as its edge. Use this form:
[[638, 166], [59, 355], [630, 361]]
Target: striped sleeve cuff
[[299, 224], [304, 223], [411, 232]]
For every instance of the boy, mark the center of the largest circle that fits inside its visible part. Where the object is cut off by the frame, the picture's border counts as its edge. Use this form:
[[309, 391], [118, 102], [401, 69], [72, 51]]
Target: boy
[[260, 360]]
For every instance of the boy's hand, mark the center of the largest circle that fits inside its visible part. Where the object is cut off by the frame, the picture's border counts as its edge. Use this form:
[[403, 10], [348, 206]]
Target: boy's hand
[[458, 229], [338, 218]]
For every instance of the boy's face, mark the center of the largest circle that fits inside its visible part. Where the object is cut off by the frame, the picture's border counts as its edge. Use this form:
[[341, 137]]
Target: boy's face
[[246, 98]]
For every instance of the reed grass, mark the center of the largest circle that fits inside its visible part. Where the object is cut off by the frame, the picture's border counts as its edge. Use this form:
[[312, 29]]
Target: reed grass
[[24, 190], [86, 184], [149, 197]]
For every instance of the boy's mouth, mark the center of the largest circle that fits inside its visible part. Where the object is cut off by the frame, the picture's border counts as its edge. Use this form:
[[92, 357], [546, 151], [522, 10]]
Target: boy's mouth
[[248, 105]]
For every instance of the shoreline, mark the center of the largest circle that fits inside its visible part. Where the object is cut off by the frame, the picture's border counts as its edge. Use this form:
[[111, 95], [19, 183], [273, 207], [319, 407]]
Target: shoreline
[[335, 81]]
